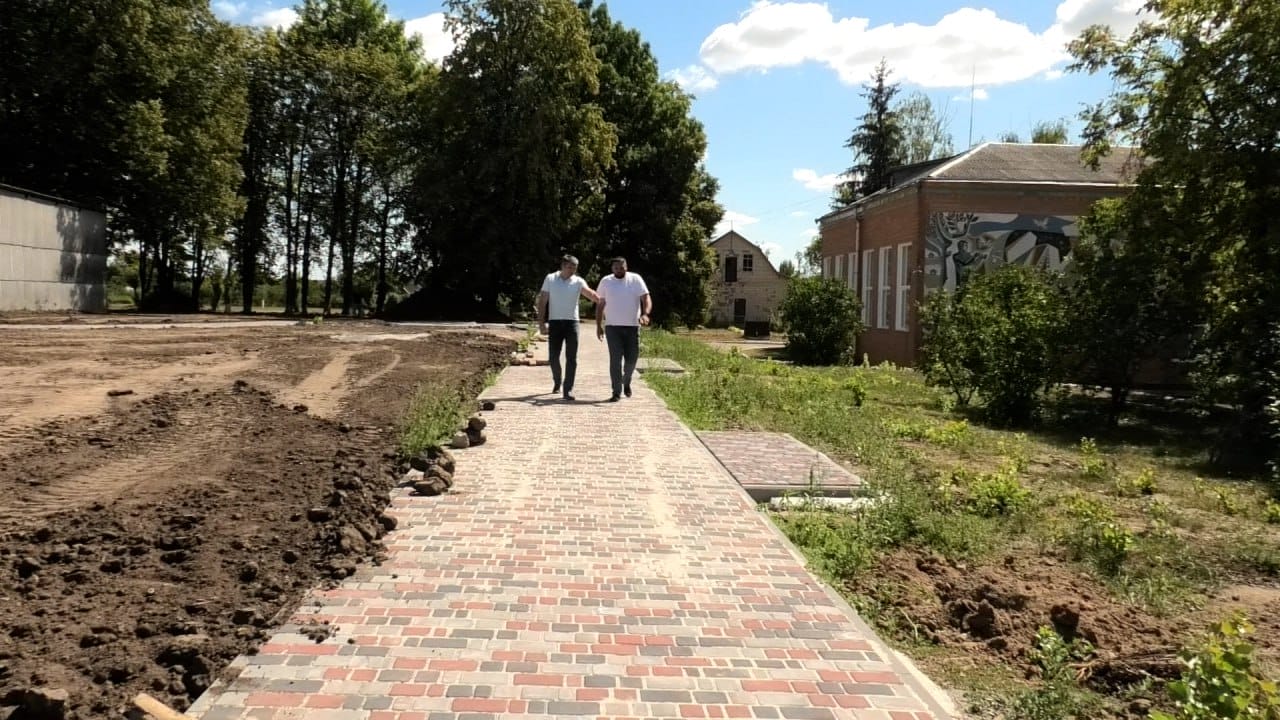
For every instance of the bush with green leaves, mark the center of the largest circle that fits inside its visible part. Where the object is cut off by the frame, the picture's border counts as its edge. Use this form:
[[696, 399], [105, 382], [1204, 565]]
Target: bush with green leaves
[[1220, 682], [822, 319], [996, 339], [1097, 537]]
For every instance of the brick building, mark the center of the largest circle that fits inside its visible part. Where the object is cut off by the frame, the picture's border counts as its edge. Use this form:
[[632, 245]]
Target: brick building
[[942, 221], [746, 288]]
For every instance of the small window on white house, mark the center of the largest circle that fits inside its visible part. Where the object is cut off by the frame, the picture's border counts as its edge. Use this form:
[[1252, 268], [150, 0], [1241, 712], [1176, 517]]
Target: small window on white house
[[866, 287], [852, 269], [900, 309], [839, 271], [747, 262], [826, 266], [882, 299]]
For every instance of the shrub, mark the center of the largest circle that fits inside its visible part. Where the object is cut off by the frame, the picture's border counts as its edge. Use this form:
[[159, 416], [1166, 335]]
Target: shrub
[[1097, 537], [998, 493], [822, 320], [996, 337], [1144, 483], [1271, 513], [1093, 464], [1220, 683]]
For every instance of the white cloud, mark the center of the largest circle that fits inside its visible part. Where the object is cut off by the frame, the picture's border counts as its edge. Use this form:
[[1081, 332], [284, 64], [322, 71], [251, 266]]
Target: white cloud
[[437, 42], [979, 94], [772, 250], [800, 214], [1053, 74], [227, 9], [282, 18], [734, 220], [948, 53], [813, 181], [694, 78]]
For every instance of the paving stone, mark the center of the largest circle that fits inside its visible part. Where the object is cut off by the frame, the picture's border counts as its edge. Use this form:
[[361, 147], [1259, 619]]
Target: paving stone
[[769, 464], [594, 560]]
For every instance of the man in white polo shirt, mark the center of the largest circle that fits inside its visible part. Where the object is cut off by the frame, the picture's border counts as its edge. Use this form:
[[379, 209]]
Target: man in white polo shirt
[[624, 306], [558, 320]]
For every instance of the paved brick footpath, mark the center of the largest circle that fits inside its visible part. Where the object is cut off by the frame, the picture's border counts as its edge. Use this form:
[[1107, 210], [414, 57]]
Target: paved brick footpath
[[594, 560], [777, 462]]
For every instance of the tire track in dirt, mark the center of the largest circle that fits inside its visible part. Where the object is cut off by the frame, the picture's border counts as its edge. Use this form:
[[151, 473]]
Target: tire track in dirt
[[195, 450], [323, 390]]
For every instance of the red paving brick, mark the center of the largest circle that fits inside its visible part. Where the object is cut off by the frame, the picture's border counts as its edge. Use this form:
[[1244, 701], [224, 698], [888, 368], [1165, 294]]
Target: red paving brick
[[594, 560]]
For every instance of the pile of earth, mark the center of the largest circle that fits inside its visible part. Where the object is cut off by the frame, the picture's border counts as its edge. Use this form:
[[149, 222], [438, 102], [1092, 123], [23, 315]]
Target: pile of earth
[[157, 589]]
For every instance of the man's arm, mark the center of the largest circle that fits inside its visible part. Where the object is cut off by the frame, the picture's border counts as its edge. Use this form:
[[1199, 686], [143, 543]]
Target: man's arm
[[544, 298], [646, 307], [590, 294], [600, 305]]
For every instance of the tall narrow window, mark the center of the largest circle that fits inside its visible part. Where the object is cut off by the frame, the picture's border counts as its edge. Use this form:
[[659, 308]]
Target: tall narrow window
[[901, 309], [839, 268], [731, 269], [826, 266], [866, 287], [748, 262], [882, 299], [852, 269]]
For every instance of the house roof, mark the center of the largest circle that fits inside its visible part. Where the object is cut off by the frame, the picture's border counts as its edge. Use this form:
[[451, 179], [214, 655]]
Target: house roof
[[1013, 163], [735, 237]]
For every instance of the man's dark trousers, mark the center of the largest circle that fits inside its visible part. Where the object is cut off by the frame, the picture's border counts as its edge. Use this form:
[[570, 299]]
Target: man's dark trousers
[[624, 350], [563, 333]]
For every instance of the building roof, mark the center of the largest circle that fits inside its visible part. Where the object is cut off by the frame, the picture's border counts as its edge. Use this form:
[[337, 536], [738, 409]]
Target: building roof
[[1014, 163], [735, 237]]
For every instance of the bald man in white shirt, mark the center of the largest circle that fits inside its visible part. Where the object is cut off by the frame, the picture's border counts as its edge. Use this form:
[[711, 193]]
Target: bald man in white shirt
[[623, 308]]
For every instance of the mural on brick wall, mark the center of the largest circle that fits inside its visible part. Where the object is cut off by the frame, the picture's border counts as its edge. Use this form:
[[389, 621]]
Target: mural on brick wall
[[960, 244]]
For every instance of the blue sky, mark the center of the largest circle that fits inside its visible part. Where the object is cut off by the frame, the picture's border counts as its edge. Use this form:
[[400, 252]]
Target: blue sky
[[777, 83]]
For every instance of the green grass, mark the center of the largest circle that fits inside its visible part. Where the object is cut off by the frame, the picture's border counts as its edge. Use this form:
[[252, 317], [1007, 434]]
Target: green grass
[[1132, 509], [435, 414]]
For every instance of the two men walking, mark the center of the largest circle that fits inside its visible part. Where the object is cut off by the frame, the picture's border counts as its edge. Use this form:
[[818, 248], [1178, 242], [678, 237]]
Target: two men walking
[[622, 307]]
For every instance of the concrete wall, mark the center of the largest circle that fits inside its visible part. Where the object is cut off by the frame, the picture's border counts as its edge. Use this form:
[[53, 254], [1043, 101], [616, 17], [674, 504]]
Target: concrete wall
[[53, 255]]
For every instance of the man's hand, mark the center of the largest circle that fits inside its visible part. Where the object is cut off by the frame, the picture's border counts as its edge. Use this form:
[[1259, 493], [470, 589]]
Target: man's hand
[[644, 320], [600, 333], [542, 328]]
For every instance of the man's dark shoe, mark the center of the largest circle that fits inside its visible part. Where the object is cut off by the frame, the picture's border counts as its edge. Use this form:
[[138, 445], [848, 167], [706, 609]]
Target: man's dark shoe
[[568, 397], [555, 389], [614, 398], [626, 390]]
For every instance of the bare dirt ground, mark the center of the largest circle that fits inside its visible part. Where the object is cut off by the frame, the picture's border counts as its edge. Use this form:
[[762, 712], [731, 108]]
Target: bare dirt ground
[[168, 493]]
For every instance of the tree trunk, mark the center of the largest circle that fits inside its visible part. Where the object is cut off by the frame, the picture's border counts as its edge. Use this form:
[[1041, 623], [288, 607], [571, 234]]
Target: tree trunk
[[353, 239], [290, 240], [381, 302], [197, 272], [337, 224], [306, 265]]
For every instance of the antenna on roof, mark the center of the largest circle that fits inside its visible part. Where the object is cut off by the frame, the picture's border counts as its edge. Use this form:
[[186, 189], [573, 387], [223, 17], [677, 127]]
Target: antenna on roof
[[973, 78]]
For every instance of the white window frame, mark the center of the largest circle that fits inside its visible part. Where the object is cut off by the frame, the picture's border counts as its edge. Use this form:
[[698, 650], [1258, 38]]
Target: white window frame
[[838, 267], [826, 266], [882, 297], [748, 263], [866, 287], [900, 313], [851, 263]]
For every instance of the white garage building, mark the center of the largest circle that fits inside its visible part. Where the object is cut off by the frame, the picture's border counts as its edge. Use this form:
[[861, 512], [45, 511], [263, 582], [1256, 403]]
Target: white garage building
[[53, 254]]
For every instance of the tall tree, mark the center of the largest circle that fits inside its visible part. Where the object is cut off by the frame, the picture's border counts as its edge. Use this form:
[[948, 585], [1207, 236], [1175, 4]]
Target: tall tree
[[1197, 91], [926, 133], [877, 142], [658, 204], [515, 150]]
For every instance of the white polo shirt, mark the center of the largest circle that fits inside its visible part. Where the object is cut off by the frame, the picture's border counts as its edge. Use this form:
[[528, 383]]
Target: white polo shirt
[[622, 299], [562, 301]]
